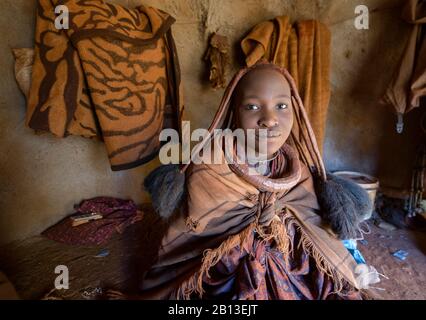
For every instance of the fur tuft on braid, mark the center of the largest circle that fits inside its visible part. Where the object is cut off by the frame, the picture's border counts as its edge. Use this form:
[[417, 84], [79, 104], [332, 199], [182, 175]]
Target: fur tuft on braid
[[344, 205], [166, 184]]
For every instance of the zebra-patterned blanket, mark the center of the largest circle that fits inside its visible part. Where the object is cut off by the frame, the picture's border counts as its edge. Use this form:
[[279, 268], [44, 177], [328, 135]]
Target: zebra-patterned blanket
[[113, 73]]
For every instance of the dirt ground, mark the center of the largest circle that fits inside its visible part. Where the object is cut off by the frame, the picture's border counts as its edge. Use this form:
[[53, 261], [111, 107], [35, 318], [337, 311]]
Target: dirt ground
[[30, 264], [407, 279]]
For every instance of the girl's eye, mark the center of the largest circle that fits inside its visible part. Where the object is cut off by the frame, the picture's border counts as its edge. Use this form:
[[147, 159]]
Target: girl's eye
[[252, 107], [281, 106]]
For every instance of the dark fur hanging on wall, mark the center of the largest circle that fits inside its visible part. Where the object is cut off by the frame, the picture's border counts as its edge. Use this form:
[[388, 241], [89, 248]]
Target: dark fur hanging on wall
[[217, 58]]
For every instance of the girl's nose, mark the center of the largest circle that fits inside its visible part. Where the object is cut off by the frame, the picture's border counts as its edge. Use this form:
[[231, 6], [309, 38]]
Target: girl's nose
[[268, 120]]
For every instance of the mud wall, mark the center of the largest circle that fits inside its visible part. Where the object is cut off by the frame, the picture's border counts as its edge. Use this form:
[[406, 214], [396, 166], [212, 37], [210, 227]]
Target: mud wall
[[42, 177]]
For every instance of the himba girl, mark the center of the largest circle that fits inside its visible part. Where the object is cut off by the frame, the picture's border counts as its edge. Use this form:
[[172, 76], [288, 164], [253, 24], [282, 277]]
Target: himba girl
[[239, 235]]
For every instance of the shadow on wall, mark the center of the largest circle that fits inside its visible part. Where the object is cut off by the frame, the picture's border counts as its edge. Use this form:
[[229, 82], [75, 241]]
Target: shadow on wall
[[361, 133]]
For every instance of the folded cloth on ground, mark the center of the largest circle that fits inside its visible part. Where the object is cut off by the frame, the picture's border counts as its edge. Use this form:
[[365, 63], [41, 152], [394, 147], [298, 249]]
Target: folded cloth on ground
[[117, 215]]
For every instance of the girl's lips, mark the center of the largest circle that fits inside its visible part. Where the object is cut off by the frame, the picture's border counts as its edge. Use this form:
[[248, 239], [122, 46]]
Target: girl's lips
[[269, 134]]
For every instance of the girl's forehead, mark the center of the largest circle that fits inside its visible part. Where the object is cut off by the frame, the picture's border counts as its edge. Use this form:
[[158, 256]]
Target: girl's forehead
[[260, 81]]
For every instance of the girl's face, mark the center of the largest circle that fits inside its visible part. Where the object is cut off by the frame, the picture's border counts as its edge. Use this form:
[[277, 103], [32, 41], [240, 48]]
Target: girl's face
[[263, 101]]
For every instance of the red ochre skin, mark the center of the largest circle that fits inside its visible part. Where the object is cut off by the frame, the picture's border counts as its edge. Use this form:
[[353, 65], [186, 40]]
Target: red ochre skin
[[263, 101]]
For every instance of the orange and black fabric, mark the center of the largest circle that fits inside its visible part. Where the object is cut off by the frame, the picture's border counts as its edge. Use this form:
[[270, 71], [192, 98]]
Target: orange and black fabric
[[113, 74]]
